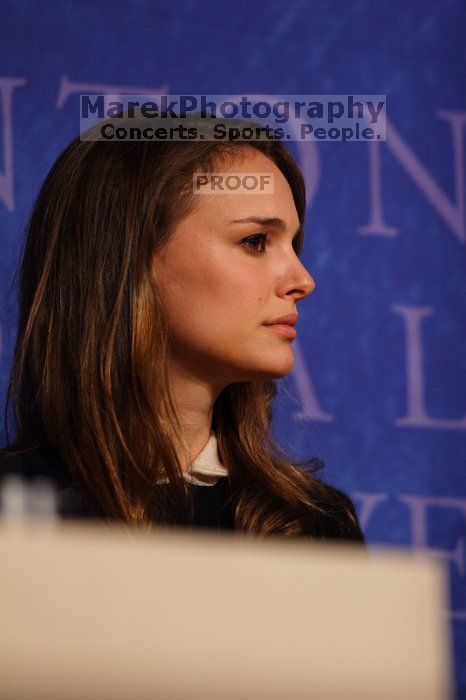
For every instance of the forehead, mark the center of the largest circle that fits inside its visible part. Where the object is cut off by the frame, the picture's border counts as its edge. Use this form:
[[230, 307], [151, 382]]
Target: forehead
[[218, 206]]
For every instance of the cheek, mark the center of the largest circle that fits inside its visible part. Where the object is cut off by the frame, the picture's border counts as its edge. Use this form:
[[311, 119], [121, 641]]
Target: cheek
[[216, 303], [216, 281]]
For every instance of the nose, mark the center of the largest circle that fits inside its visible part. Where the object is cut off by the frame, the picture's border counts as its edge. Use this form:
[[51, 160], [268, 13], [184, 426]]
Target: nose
[[298, 283]]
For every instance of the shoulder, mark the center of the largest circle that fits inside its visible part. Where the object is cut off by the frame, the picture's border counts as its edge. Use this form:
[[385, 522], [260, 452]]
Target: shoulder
[[31, 467], [340, 520]]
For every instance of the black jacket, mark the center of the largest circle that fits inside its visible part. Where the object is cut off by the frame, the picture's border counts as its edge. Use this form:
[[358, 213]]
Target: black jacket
[[211, 506]]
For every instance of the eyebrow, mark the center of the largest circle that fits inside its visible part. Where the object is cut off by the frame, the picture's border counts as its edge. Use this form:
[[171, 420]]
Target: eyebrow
[[274, 222]]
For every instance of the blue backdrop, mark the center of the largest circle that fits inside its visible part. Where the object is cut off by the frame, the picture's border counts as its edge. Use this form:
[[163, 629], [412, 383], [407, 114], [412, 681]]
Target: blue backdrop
[[378, 388]]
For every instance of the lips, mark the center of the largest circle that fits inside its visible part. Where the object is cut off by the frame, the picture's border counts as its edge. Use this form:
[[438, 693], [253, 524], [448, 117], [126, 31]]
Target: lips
[[283, 329], [283, 325], [287, 320]]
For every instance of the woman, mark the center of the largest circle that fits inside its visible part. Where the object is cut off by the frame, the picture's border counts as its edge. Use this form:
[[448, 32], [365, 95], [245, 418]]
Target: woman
[[148, 341]]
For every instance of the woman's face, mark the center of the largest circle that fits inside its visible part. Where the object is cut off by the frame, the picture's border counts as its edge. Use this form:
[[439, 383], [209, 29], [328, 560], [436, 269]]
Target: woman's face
[[221, 281]]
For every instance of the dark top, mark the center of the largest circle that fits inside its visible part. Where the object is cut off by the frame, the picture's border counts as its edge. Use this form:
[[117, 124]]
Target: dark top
[[211, 508]]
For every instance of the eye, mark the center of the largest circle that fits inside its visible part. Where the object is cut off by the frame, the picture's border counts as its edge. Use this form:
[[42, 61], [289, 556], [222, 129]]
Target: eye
[[256, 244]]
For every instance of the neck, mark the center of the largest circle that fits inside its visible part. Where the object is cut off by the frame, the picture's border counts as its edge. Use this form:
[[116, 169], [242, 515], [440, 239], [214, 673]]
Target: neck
[[193, 399]]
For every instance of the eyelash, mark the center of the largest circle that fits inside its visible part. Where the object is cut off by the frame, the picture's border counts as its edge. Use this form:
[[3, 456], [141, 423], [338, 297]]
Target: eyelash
[[261, 236]]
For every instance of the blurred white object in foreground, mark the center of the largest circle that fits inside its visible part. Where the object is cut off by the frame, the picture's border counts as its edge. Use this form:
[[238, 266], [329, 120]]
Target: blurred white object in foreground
[[21, 500], [90, 612]]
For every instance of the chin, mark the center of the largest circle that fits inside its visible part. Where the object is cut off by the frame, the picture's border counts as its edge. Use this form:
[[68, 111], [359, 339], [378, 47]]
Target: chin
[[269, 369], [279, 373]]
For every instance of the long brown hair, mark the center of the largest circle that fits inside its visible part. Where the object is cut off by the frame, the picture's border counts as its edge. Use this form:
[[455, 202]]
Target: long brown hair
[[89, 376]]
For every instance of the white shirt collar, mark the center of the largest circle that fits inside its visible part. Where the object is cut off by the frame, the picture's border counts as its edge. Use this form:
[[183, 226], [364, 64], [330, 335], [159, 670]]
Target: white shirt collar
[[207, 468]]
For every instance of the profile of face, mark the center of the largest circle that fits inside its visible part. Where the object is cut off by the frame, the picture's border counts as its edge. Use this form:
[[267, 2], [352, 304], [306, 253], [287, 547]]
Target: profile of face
[[225, 273]]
